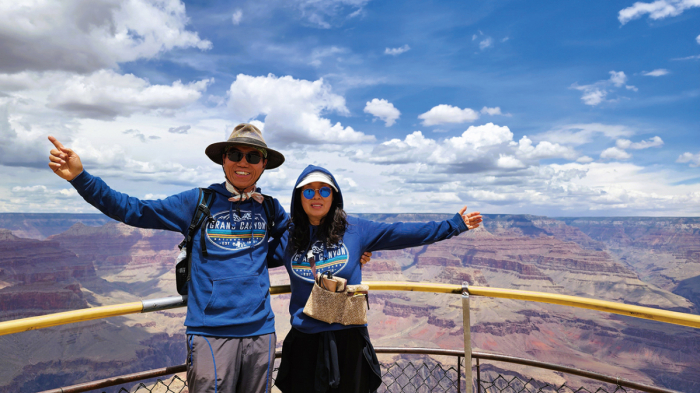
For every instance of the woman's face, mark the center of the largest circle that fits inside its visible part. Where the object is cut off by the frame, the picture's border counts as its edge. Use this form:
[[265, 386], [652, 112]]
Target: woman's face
[[317, 207]]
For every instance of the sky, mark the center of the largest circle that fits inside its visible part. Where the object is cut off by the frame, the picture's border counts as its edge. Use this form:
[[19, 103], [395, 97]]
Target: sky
[[552, 108]]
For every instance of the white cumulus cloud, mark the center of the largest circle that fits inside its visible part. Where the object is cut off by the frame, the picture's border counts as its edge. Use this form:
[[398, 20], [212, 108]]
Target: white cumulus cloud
[[328, 13], [579, 134], [443, 114], [597, 92], [658, 72], [384, 110], [615, 153], [397, 51], [136, 134], [292, 109], [487, 135], [40, 189], [491, 111], [18, 148], [627, 144], [658, 9], [542, 150], [618, 78], [693, 159], [319, 54], [106, 94], [592, 95], [509, 162], [76, 36], [481, 148], [237, 17], [179, 130], [485, 43]]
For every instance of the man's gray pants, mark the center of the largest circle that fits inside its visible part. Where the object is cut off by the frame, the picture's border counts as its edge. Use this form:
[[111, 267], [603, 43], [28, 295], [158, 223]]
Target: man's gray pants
[[230, 365]]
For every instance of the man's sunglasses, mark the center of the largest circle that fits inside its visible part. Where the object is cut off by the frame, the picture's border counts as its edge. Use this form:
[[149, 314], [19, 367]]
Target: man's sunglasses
[[253, 157], [309, 193]]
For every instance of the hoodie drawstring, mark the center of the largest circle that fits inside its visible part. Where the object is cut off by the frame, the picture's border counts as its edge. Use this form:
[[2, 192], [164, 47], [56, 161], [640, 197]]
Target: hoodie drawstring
[[230, 217], [238, 199], [252, 232]]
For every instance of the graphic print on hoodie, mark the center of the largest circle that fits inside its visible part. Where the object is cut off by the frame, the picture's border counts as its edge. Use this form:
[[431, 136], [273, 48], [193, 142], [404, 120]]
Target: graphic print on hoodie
[[331, 258], [233, 232]]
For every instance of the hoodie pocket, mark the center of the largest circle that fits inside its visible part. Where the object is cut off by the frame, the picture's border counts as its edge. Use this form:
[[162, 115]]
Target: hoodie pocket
[[235, 301]]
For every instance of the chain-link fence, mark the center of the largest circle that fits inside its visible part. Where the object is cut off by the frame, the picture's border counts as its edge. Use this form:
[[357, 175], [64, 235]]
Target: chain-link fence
[[421, 376], [174, 384], [502, 384]]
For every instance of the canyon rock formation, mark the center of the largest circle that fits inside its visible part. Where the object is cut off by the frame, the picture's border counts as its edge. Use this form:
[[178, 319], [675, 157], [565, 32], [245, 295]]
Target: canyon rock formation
[[49, 266]]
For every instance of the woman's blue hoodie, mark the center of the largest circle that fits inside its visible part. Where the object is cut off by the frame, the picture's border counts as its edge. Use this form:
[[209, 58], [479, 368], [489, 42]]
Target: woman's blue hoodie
[[228, 293], [343, 259]]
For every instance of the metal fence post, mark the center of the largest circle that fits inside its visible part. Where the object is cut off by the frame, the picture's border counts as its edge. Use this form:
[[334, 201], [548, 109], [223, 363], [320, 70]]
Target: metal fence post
[[478, 377], [459, 374], [466, 320]]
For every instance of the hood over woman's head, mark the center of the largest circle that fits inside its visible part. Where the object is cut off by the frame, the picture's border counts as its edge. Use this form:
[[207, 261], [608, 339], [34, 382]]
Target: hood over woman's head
[[310, 174], [332, 227]]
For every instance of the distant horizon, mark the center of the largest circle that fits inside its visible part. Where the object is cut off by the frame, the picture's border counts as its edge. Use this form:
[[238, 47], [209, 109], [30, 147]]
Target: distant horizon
[[395, 214]]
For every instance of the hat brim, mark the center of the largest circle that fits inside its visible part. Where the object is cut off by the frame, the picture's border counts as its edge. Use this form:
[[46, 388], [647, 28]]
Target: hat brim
[[317, 176], [215, 152]]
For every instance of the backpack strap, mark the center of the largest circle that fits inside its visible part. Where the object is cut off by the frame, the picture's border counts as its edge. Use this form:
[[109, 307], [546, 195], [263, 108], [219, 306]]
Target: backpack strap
[[201, 216], [270, 210], [205, 201], [183, 269]]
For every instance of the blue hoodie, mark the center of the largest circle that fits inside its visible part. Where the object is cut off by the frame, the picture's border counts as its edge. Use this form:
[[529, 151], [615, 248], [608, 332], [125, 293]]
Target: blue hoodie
[[228, 293], [343, 259]]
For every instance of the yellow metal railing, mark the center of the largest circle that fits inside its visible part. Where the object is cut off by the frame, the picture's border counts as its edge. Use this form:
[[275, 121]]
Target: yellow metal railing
[[654, 314], [63, 318]]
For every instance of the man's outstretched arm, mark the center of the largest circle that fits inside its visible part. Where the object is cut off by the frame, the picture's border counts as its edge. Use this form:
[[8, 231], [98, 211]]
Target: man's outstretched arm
[[172, 213]]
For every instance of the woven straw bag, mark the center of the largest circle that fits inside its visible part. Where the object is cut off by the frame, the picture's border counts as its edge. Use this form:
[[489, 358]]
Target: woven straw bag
[[348, 307]]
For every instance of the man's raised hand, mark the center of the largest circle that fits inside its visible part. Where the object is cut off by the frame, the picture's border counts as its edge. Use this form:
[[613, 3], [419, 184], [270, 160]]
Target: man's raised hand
[[64, 162]]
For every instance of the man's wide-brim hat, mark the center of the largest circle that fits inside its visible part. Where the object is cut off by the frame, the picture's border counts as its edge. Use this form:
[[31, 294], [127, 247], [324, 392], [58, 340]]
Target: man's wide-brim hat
[[247, 135]]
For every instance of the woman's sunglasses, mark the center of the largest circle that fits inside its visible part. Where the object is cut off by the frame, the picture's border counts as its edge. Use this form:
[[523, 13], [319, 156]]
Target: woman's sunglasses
[[309, 193], [253, 157]]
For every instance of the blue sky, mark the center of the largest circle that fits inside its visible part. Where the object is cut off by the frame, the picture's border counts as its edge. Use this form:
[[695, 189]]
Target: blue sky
[[548, 108]]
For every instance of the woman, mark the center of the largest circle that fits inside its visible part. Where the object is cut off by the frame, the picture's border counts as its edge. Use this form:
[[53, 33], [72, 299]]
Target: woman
[[322, 357]]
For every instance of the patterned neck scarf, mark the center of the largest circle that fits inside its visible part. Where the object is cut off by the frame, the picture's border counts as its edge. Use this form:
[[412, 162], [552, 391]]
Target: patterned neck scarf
[[236, 196]]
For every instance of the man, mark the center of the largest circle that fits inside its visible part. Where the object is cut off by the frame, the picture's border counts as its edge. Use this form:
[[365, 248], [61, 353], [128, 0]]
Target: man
[[230, 324]]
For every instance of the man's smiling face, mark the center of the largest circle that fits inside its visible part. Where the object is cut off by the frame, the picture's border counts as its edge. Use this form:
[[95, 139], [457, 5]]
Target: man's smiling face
[[243, 174]]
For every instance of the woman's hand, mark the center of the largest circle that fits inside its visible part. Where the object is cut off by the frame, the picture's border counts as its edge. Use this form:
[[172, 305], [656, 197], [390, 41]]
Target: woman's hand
[[64, 162], [472, 220], [365, 258]]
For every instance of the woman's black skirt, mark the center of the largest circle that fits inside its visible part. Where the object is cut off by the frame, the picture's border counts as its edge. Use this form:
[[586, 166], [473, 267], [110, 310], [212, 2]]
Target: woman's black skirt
[[341, 361]]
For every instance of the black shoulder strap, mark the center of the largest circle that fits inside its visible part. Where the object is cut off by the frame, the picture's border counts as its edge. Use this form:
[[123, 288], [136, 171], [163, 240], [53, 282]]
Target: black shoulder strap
[[203, 201], [270, 210], [203, 216]]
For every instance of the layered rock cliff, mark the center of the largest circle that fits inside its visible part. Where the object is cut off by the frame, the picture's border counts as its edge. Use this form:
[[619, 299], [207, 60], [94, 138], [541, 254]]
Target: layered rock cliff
[[39, 277], [664, 251], [609, 259]]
